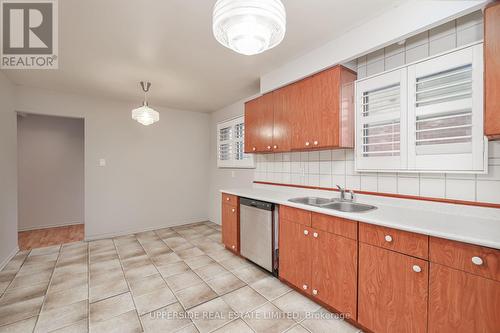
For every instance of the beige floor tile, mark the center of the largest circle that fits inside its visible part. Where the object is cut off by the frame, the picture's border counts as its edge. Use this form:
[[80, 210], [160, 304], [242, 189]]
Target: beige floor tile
[[165, 232], [45, 250], [23, 294], [161, 250], [250, 274], [135, 262], [97, 278], [210, 271], [233, 262], [325, 321], [54, 319], [146, 285], [73, 260], [22, 281], [165, 259], [188, 329], [7, 276], [270, 287], [140, 272], [61, 298], [210, 247], [154, 300], [244, 299], [34, 268], [295, 303], [237, 325], [199, 261], [131, 252], [105, 266], [168, 319], [260, 320], [106, 289], [22, 326], [299, 329], [60, 282], [11, 313], [127, 322], [195, 295], [111, 307], [182, 281], [81, 326], [173, 269], [225, 283], [222, 255], [176, 242], [41, 258], [211, 315], [189, 253], [76, 268], [104, 256]]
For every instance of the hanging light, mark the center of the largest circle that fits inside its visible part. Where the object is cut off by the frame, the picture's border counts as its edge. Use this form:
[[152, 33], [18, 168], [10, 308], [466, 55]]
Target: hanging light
[[249, 26], [144, 114]]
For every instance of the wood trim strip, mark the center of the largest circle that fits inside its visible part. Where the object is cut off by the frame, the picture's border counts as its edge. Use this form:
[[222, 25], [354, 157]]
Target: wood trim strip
[[391, 195]]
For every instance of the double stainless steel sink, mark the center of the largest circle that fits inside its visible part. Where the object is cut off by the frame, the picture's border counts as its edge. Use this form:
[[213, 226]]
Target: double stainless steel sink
[[335, 204]]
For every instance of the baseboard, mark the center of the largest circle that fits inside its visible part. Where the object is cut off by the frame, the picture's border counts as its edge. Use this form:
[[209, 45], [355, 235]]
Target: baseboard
[[9, 257], [135, 231], [47, 226]]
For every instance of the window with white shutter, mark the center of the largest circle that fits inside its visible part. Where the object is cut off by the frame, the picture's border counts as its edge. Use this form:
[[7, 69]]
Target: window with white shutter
[[230, 145], [424, 117], [381, 125]]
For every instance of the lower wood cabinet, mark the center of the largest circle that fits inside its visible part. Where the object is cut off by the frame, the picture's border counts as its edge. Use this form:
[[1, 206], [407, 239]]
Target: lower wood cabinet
[[319, 263], [230, 223], [393, 291], [461, 302]]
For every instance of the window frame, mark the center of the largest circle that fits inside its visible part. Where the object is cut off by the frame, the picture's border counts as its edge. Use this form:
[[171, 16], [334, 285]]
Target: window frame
[[247, 162]]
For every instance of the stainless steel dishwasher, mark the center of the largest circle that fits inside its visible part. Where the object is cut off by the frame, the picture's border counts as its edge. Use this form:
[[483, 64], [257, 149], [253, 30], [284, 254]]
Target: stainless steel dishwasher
[[259, 233]]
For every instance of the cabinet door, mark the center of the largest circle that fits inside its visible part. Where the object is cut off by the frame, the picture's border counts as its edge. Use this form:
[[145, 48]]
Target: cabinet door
[[325, 109], [301, 113], [259, 124], [492, 70], [295, 254], [230, 226], [461, 302], [334, 263], [282, 132], [393, 291]]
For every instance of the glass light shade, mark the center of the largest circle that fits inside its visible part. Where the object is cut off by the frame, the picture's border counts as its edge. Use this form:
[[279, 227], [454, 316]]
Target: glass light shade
[[249, 26], [145, 115]]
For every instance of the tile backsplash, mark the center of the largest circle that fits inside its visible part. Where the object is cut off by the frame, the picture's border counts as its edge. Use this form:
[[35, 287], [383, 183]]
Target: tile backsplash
[[331, 167]]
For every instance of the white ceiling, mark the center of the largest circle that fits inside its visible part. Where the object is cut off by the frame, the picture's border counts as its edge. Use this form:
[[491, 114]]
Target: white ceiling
[[107, 47]]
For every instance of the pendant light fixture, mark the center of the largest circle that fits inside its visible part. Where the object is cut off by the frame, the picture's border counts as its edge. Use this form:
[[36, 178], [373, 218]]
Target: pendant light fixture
[[249, 26], [144, 114]]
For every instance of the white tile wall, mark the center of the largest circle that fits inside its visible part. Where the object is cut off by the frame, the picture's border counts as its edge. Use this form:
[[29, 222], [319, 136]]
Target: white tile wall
[[331, 167]]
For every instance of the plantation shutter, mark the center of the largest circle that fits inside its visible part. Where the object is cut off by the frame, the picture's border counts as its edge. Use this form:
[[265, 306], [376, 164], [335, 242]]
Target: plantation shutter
[[231, 143]]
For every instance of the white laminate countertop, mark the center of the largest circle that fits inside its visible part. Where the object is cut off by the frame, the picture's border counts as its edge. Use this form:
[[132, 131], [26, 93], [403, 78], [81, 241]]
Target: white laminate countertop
[[475, 225]]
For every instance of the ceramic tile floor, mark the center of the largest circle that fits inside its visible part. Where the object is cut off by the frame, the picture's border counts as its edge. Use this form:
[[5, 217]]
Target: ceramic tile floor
[[178, 279]]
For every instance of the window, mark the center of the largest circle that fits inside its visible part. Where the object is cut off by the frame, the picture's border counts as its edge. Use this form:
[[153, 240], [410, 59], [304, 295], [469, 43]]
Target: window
[[427, 116], [231, 145]]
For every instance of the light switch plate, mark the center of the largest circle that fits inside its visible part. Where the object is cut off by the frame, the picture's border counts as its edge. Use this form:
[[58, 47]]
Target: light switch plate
[[102, 162]]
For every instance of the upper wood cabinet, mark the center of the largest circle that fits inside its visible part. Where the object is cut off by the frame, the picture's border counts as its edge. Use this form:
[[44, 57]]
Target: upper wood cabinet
[[492, 70], [314, 113]]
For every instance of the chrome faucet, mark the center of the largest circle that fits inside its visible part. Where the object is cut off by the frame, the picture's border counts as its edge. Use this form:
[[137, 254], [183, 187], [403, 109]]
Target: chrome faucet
[[343, 192]]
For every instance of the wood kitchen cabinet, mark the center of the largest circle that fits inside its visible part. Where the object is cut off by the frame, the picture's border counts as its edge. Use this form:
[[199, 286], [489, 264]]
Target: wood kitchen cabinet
[[392, 291], [492, 70], [314, 113], [319, 263], [230, 222]]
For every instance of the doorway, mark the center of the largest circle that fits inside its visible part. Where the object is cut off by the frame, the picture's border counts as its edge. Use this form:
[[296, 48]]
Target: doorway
[[50, 180]]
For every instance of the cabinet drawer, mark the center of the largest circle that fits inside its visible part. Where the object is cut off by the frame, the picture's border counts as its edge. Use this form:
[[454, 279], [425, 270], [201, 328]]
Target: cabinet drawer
[[335, 225], [295, 215], [474, 259], [410, 243], [230, 199]]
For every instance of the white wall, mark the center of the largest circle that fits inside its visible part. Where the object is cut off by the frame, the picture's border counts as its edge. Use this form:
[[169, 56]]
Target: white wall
[[224, 178], [50, 171], [8, 172], [155, 176]]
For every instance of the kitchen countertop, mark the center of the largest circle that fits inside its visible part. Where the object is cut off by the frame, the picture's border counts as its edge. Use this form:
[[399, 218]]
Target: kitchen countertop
[[480, 226]]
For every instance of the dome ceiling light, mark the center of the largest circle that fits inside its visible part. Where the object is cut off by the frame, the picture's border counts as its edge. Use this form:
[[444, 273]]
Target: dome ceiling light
[[144, 114], [249, 26]]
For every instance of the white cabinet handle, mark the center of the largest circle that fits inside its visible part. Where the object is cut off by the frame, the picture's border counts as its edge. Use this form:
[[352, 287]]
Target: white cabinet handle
[[417, 269], [315, 235], [315, 292], [233, 247], [315, 143], [307, 144], [304, 287], [233, 210], [275, 147], [306, 232], [388, 238], [254, 149], [227, 199], [268, 147], [477, 261]]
